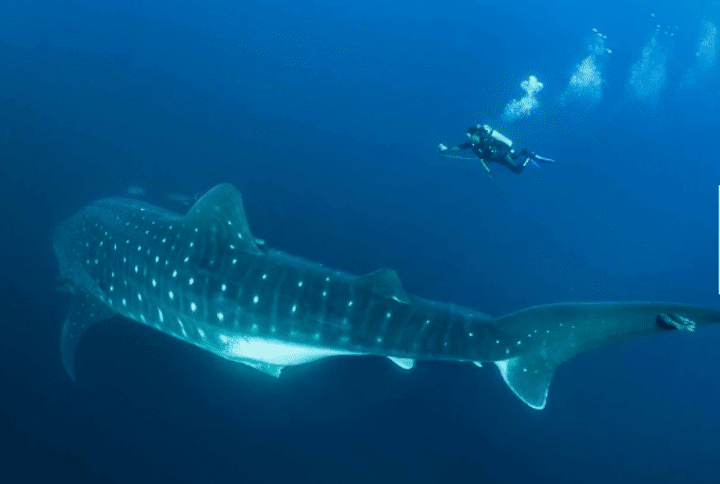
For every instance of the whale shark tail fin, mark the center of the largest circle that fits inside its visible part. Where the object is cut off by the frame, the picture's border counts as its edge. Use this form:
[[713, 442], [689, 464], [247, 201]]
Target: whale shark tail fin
[[547, 336]]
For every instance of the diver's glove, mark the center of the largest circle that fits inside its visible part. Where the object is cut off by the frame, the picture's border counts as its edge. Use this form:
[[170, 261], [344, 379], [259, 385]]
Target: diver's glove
[[442, 147]]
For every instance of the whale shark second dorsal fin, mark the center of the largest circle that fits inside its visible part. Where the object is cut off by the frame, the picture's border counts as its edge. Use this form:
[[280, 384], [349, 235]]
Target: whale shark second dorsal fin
[[385, 283], [219, 219]]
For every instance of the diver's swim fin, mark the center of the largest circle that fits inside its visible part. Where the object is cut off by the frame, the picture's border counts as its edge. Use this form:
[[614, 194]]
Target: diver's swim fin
[[542, 159]]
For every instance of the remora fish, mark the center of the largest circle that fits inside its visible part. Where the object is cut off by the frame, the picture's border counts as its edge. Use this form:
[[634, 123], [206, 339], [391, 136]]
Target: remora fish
[[204, 279]]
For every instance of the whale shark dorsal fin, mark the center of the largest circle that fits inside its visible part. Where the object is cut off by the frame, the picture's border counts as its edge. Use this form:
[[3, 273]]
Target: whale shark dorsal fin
[[219, 217], [528, 377], [85, 311], [385, 283]]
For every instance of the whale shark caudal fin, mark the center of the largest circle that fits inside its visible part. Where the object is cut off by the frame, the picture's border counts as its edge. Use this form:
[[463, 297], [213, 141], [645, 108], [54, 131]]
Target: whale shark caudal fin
[[85, 311], [550, 335]]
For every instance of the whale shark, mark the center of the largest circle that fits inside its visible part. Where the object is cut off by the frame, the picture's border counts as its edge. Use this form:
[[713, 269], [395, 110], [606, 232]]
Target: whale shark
[[205, 279]]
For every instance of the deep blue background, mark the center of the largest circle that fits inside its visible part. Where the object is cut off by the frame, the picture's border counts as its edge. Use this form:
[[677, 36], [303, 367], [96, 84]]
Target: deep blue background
[[327, 116]]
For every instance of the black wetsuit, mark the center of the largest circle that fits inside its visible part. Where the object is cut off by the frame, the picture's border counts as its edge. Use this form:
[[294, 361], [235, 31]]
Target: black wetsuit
[[493, 151], [492, 147]]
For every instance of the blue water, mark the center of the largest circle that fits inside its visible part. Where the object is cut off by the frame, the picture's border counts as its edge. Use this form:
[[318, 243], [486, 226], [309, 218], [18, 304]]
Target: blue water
[[327, 115]]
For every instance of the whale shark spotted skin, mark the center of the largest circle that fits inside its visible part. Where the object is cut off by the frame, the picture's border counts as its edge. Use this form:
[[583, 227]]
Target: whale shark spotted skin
[[204, 279]]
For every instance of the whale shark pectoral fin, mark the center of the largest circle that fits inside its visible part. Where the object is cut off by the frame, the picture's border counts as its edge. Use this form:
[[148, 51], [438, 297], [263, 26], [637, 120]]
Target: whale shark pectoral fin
[[219, 218], [267, 368], [528, 377], [404, 363], [85, 311], [385, 283]]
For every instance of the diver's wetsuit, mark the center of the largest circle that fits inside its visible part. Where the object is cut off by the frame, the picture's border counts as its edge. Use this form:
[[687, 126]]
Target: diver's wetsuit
[[491, 146], [516, 162]]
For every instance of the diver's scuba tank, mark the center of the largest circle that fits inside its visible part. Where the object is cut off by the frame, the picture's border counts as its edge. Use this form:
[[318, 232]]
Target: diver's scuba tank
[[498, 136]]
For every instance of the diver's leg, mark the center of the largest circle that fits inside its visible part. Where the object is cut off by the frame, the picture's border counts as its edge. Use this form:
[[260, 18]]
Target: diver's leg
[[529, 155], [515, 164], [678, 322], [485, 164], [542, 159]]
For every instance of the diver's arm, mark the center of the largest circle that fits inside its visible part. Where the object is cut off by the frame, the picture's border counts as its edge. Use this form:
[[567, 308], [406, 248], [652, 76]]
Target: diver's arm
[[461, 147]]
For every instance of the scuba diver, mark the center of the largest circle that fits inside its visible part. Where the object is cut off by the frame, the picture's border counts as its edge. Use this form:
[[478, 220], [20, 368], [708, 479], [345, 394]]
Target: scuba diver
[[491, 146]]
